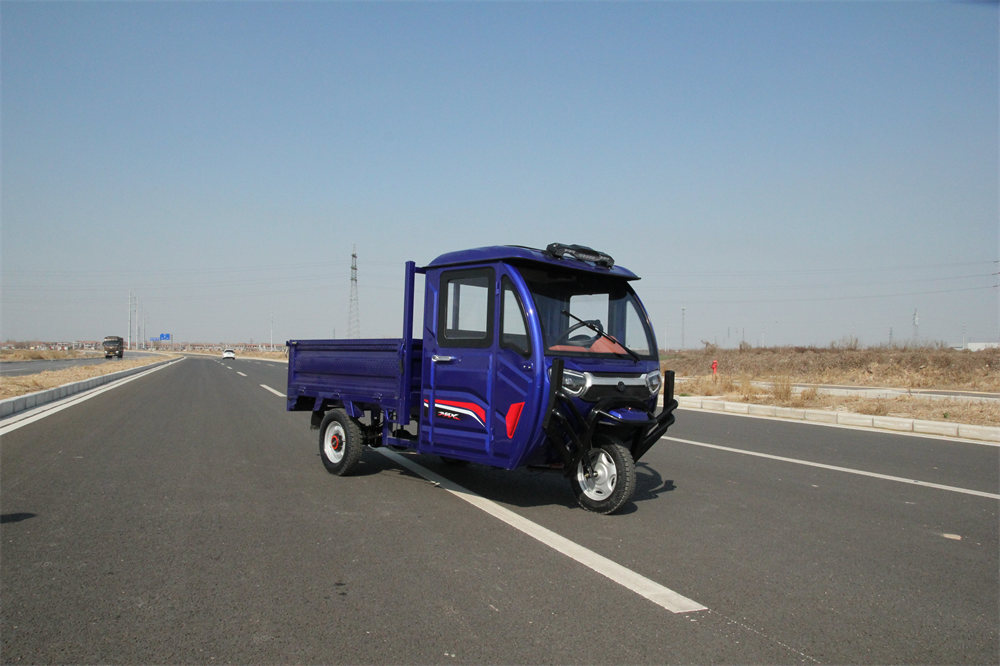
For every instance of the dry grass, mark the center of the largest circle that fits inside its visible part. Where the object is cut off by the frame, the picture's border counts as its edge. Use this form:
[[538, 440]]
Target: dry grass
[[896, 367], [11, 387], [274, 355], [43, 354], [907, 368]]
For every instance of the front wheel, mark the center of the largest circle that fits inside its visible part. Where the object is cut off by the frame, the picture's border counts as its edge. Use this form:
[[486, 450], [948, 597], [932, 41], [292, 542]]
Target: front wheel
[[613, 480], [340, 442]]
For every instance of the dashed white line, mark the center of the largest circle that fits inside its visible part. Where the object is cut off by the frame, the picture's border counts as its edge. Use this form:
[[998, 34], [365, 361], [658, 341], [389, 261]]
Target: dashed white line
[[241, 374], [274, 391], [835, 468], [650, 589]]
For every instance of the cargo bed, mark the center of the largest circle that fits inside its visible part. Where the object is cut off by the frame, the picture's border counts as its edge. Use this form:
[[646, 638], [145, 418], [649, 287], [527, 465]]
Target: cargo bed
[[361, 374]]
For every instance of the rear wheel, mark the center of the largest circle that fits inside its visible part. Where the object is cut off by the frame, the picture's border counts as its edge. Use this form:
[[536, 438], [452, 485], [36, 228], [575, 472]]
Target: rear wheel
[[340, 442], [613, 480]]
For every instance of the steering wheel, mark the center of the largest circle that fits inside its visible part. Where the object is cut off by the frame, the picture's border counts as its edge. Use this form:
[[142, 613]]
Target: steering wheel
[[595, 323]]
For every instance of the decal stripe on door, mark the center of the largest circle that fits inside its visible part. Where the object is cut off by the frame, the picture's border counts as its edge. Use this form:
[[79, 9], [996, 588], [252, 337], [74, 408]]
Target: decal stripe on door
[[467, 408]]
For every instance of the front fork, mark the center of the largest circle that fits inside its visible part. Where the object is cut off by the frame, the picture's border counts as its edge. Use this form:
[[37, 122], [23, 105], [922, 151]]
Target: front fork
[[572, 433]]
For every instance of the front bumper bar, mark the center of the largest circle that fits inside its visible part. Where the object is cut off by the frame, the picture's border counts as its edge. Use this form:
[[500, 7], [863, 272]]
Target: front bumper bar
[[572, 432]]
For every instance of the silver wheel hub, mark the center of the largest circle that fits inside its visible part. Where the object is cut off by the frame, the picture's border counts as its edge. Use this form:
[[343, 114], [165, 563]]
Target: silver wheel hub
[[333, 442], [602, 483]]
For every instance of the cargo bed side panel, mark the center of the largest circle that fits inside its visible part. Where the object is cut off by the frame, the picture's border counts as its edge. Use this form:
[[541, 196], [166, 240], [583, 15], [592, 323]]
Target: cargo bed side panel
[[367, 372]]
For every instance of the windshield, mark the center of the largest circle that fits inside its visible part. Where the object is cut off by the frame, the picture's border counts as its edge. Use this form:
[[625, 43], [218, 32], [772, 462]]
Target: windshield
[[588, 314]]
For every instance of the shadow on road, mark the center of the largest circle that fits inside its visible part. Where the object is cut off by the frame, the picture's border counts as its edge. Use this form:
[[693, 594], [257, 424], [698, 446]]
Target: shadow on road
[[14, 517], [649, 484], [522, 487]]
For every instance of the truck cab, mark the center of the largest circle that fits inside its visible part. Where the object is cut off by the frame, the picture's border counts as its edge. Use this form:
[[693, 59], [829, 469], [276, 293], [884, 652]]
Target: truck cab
[[113, 345], [524, 357]]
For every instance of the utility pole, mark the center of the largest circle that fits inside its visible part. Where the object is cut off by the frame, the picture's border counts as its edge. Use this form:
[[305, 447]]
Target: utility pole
[[683, 313], [916, 326], [128, 344], [135, 324], [354, 317]]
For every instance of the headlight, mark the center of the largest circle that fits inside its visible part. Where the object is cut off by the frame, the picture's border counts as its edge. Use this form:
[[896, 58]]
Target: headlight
[[573, 382], [654, 382]]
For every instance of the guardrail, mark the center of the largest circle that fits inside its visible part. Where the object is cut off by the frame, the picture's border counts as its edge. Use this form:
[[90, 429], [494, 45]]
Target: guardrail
[[21, 403], [964, 431]]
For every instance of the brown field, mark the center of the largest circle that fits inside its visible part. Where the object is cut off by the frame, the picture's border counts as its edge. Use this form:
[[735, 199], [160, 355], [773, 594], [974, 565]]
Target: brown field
[[272, 355], [43, 354], [11, 387], [889, 367]]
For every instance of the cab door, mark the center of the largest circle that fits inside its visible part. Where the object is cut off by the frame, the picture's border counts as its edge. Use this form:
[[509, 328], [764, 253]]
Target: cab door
[[457, 368], [482, 384], [519, 386]]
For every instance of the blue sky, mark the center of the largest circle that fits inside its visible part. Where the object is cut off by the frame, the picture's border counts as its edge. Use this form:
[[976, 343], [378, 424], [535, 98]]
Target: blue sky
[[787, 173]]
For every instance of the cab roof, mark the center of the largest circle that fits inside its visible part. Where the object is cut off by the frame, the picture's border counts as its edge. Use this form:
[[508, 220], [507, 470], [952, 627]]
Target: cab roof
[[573, 257]]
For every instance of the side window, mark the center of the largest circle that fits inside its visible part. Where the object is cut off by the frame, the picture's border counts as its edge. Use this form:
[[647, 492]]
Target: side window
[[513, 325], [636, 336], [465, 315]]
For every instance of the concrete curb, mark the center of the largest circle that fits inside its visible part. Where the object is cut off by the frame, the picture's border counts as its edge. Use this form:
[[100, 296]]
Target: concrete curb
[[964, 431], [21, 403]]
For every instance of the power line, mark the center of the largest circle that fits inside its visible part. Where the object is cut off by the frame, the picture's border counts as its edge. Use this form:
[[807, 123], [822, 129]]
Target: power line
[[821, 298], [838, 270], [730, 286]]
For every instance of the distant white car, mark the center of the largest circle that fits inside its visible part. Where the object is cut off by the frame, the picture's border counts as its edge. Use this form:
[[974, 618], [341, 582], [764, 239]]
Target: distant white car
[[229, 353]]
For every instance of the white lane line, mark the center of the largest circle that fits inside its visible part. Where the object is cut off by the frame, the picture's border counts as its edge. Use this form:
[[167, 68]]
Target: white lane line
[[658, 594], [835, 468], [274, 391], [241, 374], [40, 413]]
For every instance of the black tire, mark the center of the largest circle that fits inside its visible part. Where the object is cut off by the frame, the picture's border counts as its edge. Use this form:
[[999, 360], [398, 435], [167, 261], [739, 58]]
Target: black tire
[[340, 442], [613, 482]]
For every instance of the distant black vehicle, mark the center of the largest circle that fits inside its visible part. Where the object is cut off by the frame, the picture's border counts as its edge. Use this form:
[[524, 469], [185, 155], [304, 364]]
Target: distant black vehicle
[[113, 345]]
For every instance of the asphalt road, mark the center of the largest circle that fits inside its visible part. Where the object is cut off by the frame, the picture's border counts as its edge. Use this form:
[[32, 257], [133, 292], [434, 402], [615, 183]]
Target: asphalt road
[[185, 517], [19, 368]]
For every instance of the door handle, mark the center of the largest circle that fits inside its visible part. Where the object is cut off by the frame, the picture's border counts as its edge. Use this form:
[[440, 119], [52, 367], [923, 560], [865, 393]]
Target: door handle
[[441, 359]]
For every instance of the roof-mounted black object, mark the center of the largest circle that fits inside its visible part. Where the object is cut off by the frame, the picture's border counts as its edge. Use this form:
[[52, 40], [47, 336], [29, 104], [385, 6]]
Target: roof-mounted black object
[[583, 253]]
